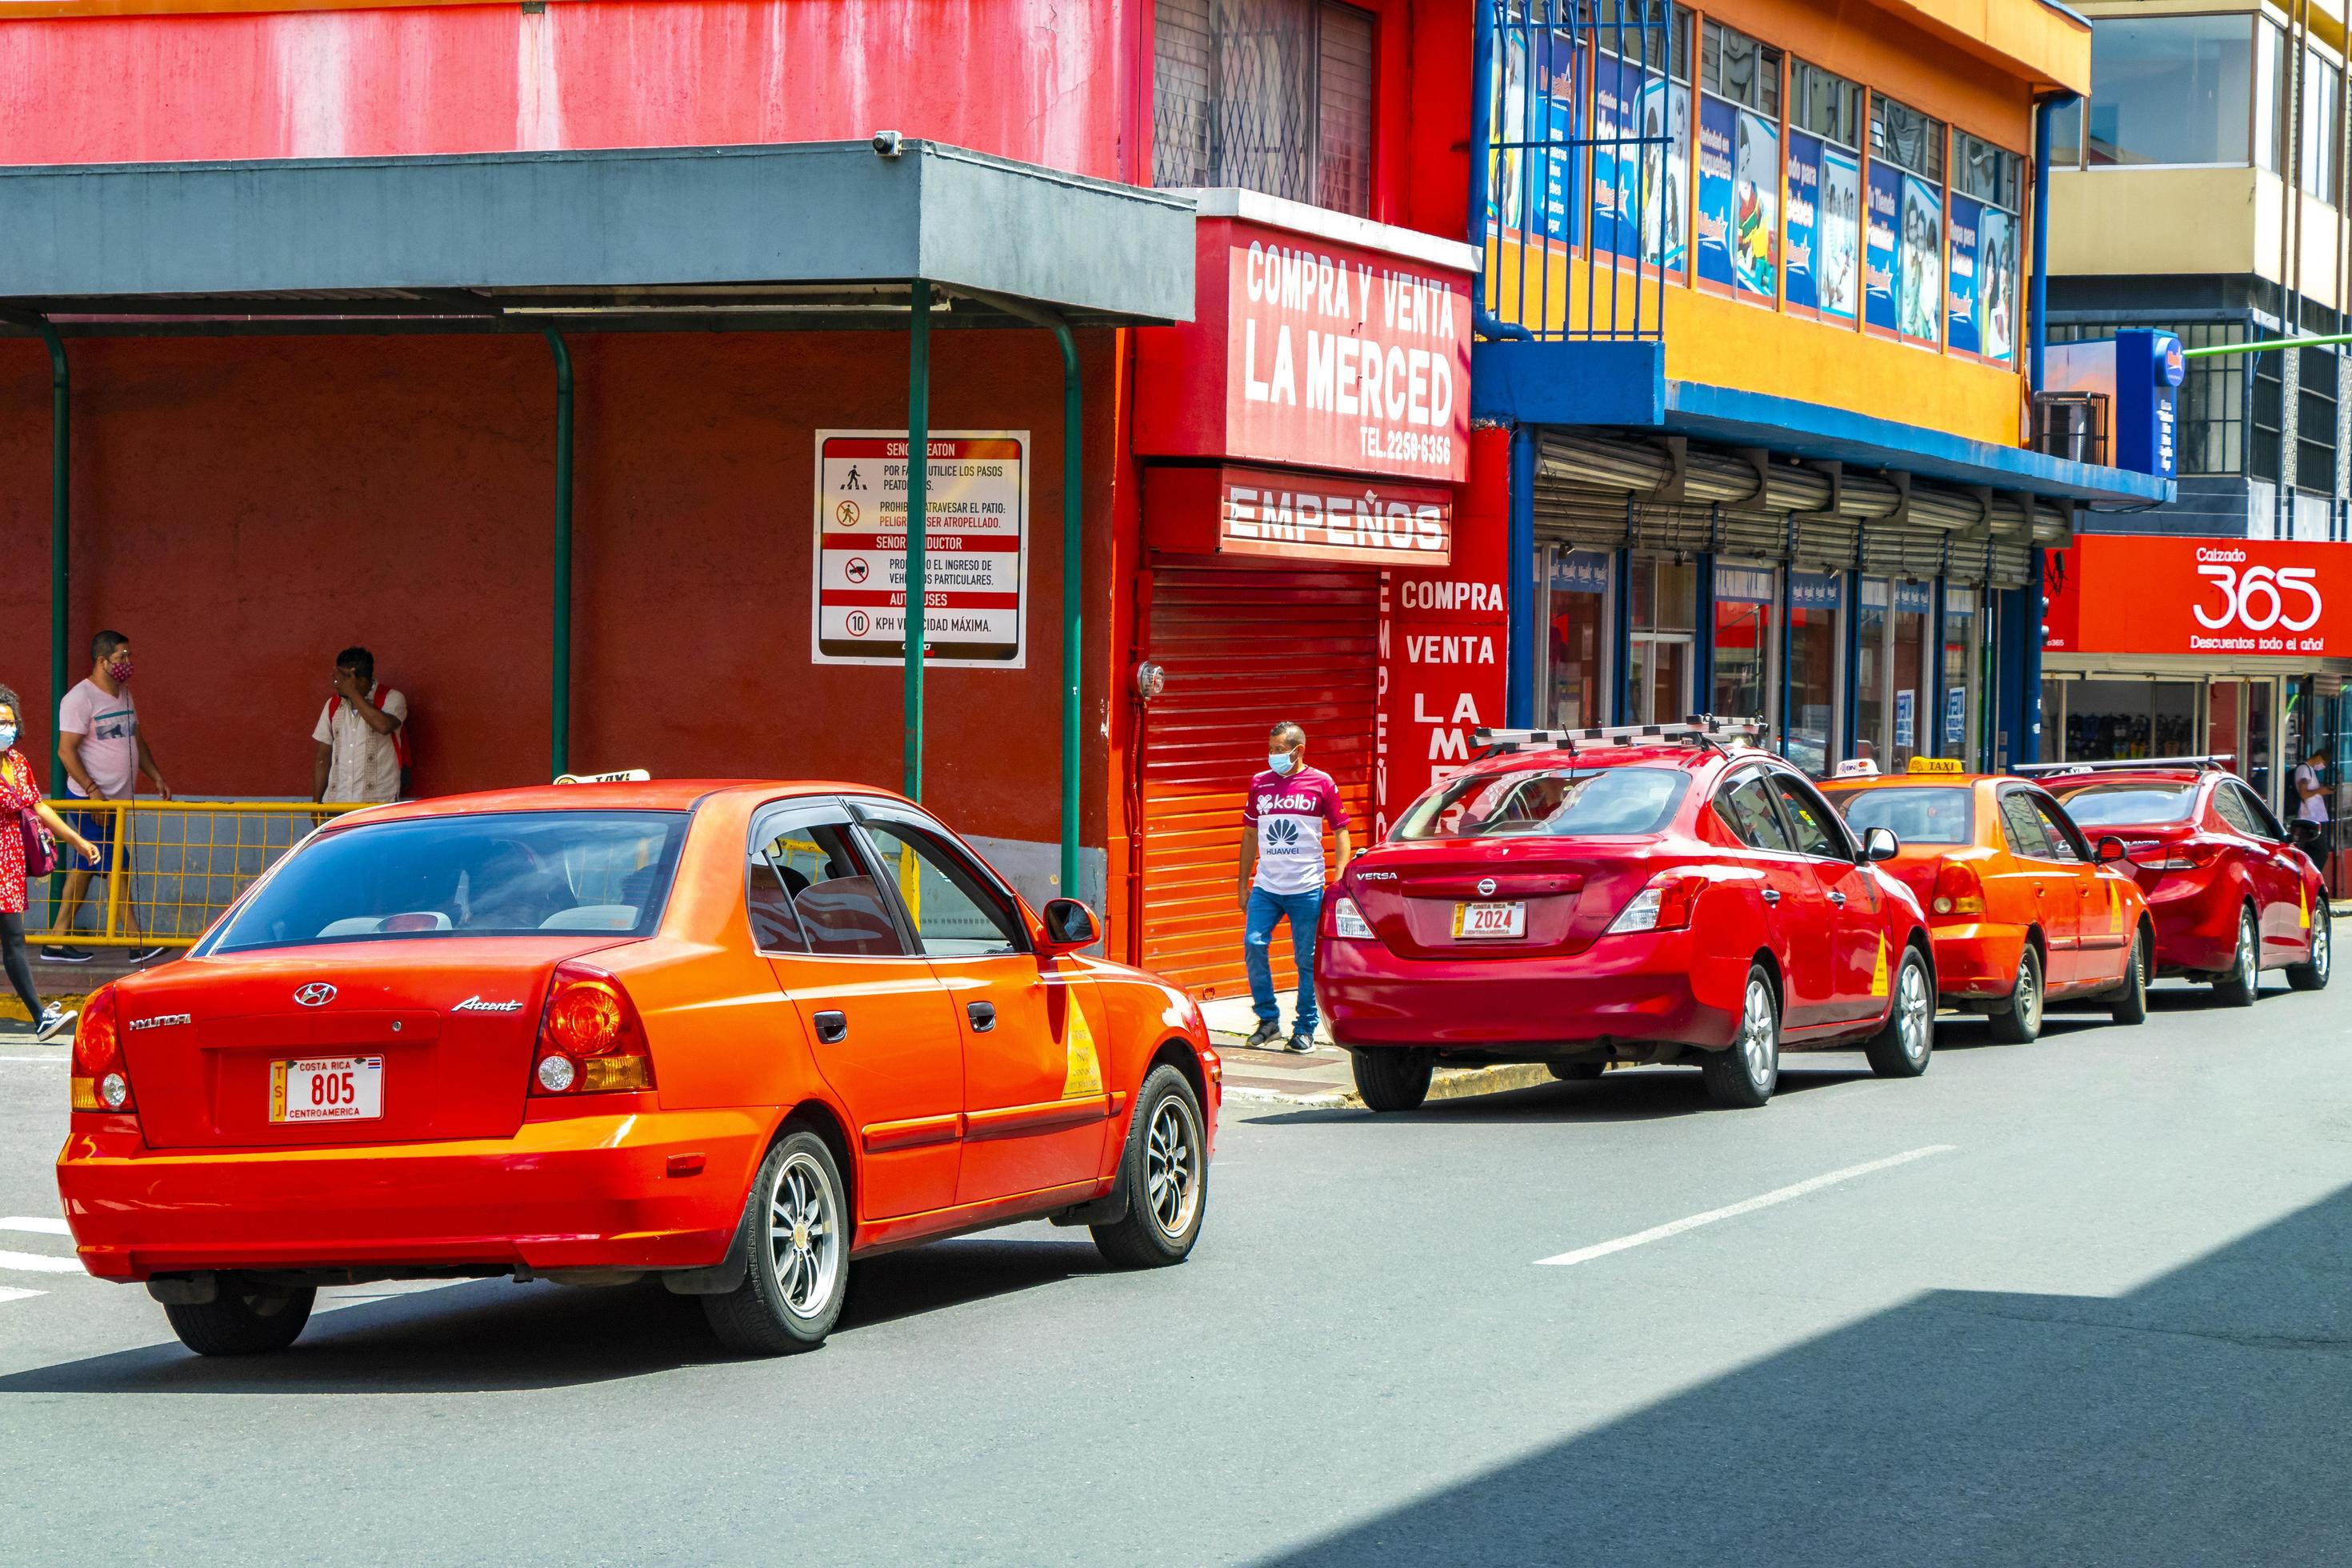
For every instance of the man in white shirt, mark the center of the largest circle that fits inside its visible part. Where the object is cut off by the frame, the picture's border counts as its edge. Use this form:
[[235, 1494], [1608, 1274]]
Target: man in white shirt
[[363, 749], [2311, 806], [99, 741]]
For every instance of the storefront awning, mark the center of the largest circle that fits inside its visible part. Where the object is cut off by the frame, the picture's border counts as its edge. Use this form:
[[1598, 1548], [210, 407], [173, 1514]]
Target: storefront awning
[[1624, 384], [812, 233]]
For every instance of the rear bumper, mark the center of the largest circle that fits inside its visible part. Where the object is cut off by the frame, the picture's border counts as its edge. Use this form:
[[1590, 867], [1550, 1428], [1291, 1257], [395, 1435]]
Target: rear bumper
[[2196, 928], [1635, 988], [581, 1192], [1977, 962]]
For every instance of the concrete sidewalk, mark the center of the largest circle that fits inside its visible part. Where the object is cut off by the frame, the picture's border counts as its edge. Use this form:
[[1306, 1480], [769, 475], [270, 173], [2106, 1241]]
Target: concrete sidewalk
[[1323, 1076]]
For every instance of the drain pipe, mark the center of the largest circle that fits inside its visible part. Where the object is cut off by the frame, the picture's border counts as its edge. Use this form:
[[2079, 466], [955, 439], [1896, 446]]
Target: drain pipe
[[60, 536], [560, 697], [914, 622]]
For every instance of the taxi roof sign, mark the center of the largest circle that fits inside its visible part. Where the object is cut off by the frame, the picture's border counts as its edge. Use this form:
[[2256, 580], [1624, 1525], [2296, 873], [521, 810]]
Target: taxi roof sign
[[1935, 765], [622, 776], [1856, 768]]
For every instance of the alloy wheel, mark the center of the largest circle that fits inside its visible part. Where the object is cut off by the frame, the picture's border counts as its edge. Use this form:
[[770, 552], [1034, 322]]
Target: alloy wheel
[[1171, 1167], [1915, 1012], [1757, 1044], [2250, 973], [2029, 996], [804, 1236], [2323, 947]]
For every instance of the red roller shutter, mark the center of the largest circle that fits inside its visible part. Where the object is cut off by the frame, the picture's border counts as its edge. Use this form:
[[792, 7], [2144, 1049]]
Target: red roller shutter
[[1244, 648]]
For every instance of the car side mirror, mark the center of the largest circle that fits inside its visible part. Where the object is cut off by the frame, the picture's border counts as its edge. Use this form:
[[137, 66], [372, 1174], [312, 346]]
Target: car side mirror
[[1070, 926], [2109, 849], [1880, 844]]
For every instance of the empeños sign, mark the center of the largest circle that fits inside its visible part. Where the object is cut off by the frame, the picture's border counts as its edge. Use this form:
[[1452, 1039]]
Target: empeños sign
[[1233, 511], [2226, 597]]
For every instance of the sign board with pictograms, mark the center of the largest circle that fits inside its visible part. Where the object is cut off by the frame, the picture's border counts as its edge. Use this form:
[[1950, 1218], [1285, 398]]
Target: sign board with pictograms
[[975, 548]]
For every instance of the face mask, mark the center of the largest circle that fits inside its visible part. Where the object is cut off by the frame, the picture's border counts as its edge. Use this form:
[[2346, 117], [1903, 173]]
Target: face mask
[[119, 669], [7, 736], [1282, 762]]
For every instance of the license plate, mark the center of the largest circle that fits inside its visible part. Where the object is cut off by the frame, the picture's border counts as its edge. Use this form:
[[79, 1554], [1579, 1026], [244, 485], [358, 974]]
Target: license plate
[[327, 1089], [1490, 920]]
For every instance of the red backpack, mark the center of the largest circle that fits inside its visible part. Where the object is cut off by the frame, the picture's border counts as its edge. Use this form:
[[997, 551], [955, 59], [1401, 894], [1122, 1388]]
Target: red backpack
[[399, 737]]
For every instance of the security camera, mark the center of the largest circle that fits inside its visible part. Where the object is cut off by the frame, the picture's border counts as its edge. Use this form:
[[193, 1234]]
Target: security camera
[[886, 143]]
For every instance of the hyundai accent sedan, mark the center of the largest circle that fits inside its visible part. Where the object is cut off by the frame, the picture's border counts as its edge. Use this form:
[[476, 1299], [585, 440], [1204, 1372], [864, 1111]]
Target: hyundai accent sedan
[[2229, 893], [2023, 908], [731, 1036], [1589, 897]]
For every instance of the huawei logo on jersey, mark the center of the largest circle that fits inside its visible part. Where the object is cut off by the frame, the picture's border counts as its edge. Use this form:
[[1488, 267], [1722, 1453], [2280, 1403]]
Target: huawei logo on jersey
[[1282, 833]]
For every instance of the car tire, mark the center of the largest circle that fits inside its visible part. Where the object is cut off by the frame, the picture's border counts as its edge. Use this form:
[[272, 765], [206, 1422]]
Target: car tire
[[2019, 1023], [1164, 1172], [2242, 982], [1743, 1075], [2313, 977], [796, 1270], [240, 1322], [1395, 1078], [2131, 1002], [1576, 1072], [1900, 1049]]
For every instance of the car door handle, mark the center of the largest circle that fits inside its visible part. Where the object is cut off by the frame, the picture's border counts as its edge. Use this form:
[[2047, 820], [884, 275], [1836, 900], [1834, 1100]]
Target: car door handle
[[982, 1015], [1772, 895], [1838, 899], [832, 1028]]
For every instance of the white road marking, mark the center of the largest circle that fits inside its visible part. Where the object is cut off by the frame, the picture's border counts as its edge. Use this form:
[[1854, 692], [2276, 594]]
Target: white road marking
[[1766, 1200], [56, 1061], [38, 1226], [39, 1263], [10, 1293]]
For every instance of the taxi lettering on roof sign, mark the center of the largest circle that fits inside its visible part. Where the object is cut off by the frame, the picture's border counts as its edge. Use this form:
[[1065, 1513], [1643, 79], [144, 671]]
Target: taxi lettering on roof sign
[[1936, 766]]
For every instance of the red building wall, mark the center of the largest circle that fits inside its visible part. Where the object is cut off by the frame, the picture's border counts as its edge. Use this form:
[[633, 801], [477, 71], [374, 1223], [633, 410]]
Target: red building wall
[[245, 507]]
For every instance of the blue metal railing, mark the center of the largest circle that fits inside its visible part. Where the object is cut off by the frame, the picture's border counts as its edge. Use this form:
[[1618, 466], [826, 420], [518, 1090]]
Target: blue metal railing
[[1580, 167]]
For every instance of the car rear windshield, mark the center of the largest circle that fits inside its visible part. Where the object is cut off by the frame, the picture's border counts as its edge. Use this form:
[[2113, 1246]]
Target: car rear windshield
[[1919, 813], [2128, 804], [1559, 801], [498, 874]]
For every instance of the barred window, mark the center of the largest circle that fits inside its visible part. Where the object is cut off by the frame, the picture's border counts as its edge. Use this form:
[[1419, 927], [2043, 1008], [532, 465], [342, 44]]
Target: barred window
[[2210, 404], [2314, 421], [1269, 95], [2267, 426]]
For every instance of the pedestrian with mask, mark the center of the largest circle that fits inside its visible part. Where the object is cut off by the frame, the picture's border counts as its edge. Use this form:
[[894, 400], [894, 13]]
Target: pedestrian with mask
[[2311, 808], [1282, 877], [100, 742], [20, 795], [361, 736]]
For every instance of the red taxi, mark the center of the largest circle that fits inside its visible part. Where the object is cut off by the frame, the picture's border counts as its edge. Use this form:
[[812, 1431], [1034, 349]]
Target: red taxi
[[2024, 910], [2231, 894], [1664, 893], [730, 1034]]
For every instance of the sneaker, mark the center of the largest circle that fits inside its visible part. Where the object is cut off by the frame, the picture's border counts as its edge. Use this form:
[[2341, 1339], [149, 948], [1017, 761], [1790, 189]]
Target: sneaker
[[1263, 1040], [1299, 1045], [64, 955], [54, 1019], [148, 954]]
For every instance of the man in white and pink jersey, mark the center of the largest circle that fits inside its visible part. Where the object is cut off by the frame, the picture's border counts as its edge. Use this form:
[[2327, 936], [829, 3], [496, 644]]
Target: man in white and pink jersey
[[1282, 876]]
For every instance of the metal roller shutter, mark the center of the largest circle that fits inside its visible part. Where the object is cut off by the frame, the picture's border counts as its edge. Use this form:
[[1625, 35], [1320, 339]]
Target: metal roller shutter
[[2012, 566], [1244, 648]]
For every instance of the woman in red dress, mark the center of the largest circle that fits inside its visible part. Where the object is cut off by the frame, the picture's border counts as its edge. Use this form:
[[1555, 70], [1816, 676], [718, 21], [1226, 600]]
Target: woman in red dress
[[19, 793]]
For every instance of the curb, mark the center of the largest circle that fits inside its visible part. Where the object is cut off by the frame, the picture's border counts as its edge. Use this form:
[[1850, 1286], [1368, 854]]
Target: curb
[[1449, 1083]]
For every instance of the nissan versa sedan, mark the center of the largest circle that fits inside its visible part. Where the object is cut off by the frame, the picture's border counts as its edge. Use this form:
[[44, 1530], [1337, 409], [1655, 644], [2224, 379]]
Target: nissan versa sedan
[[731, 1036], [2229, 893], [2023, 908], [1595, 896]]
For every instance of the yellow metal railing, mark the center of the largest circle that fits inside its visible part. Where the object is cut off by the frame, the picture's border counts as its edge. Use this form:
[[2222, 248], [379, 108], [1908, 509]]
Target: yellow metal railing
[[171, 866]]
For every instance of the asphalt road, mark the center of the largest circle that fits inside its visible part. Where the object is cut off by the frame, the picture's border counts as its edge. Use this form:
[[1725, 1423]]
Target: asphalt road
[[2105, 1317]]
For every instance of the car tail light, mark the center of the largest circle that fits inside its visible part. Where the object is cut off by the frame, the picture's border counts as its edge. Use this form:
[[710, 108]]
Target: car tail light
[[1665, 904], [1347, 920], [2192, 854], [101, 1081], [1959, 891], [591, 1040]]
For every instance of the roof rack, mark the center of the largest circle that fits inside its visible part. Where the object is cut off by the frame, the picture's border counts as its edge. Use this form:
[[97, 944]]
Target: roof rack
[[1699, 729], [2218, 763]]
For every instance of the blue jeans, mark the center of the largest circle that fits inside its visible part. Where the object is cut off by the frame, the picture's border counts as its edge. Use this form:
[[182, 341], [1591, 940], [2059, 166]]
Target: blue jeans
[[1302, 910]]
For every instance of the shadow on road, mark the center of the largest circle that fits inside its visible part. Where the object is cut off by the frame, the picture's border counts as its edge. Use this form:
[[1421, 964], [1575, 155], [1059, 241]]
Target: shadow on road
[[1638, 1094], [2197, 1419], [491, 1334]]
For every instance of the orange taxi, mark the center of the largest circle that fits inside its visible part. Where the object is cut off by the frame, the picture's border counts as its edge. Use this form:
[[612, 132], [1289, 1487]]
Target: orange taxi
[[2021, 909], [731, 1036]]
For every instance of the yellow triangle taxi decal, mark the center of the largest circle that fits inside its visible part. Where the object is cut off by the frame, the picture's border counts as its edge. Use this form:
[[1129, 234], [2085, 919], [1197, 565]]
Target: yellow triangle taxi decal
[[2303, 902], [1878, 975], [1083, 1077]]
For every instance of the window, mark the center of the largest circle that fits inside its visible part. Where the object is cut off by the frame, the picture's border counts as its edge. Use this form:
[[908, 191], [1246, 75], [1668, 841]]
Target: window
[[1811, 819], [1988, 172], [1828, 105], [1906, 138], [2065, 842], [808, 889], [2230, 802], [1741, 69], [2066, 135], [1748, 810], [1747, 643], [1816, 667], [2267, 429], [1269, 95], [1563, 803], [1906, 221], [1666, 618], [2170, 89], [2209, 407], [2314, 421], [1577, 620], [2027, 837], [954, 907], [2130, 805], [2274, 91], [1937, 814], [2323, 125]]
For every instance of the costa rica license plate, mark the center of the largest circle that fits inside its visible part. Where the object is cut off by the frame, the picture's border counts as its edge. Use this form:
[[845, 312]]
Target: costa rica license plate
[[327, 1089], [1473, 920]]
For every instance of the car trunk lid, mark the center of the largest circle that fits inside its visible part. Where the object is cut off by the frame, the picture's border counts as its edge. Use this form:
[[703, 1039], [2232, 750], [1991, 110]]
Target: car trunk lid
[[1411, 893]]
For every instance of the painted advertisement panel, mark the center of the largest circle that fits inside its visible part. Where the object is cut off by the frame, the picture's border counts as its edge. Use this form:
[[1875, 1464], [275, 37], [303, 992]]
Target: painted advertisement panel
[[975, 548], [1920, 284], [1997, 269], [1838, 269], [1804, 224], [1662, 198], [1718, 130], [1961, 332], [1755, 207], [1880, 261]]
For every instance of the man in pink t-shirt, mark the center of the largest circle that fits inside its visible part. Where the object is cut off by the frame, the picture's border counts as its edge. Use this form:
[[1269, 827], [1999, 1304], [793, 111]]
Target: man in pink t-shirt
[[1282, 876]]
